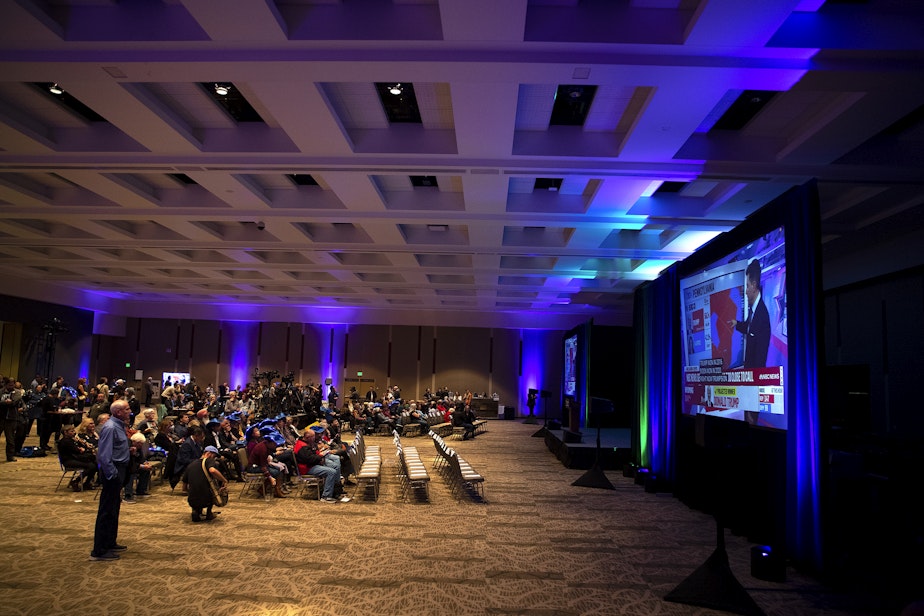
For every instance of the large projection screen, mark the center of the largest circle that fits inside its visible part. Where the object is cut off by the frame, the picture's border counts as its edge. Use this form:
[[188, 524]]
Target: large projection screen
[[734, 335]]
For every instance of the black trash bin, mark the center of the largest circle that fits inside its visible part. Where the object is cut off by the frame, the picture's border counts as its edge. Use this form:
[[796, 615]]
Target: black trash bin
[[510, 412]]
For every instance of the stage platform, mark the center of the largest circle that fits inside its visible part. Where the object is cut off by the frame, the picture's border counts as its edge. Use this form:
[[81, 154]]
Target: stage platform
[[615, 447]]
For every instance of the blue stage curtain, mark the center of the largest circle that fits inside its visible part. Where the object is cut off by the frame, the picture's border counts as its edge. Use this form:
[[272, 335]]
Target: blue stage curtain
[[805, 332], [656, 317]]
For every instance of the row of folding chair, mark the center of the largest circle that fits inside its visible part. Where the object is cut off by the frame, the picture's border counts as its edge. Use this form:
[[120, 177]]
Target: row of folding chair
[[314, 483], [434, 419], [460, 475], [367, 464], [412, 474]]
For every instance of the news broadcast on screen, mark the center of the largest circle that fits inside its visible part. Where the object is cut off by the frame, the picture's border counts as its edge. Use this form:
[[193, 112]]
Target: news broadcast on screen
[[734, 337]]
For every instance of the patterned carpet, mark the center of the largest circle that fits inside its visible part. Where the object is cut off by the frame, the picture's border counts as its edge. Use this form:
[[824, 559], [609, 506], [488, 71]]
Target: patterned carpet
[[538, 546]]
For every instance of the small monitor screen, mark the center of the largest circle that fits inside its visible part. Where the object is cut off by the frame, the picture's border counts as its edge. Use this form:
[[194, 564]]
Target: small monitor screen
[[571, 356], [175, 378]]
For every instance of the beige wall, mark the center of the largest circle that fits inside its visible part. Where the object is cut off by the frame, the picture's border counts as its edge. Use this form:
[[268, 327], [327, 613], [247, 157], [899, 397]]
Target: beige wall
[[414, 358]]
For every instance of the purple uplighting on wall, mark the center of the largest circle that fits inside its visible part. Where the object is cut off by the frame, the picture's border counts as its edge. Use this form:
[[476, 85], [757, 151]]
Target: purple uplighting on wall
[[533, 348], [242, 344], [85, 361]]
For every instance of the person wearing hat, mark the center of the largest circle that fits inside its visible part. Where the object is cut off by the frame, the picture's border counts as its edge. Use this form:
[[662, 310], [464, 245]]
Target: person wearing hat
[[202, 416], [261, 457], [199, 478], [235, 421]]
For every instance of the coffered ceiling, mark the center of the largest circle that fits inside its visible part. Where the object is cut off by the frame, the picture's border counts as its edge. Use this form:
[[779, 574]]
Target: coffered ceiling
[[562, 152]]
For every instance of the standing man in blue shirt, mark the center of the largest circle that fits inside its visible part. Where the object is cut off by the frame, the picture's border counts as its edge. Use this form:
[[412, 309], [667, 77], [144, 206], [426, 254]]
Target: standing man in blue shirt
[[112, 457]]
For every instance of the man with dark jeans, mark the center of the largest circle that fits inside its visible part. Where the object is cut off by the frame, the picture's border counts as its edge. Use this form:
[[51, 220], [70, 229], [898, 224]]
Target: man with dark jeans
[[49, 423], [10, 407], [112, 457], [149, 391], [463, 418]]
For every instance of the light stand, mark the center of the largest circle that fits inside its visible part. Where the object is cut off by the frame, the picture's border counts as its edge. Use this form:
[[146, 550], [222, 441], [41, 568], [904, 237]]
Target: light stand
[[713, 585], [541, 432], [595, 477]]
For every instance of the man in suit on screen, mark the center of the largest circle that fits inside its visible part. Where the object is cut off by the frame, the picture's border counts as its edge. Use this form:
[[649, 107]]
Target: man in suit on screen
[[756, 326]]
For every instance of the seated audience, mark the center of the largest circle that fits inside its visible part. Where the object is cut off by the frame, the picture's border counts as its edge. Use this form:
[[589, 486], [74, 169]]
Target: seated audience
[[233, 404], [87, 436], [382, 417], [462, 417], [165, 437], [415, 417], [139, 470], [340, 459], [146, 423], [100, 405], [181, 427], [312, 461], [73, 454], [261, 460], [190, 450], [227, 456]]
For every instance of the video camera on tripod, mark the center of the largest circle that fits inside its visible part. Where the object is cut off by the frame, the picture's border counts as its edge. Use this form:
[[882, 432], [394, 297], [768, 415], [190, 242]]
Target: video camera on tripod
[[269, 375]]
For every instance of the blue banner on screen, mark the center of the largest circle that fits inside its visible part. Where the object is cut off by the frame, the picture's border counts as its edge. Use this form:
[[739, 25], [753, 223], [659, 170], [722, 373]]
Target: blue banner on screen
[[734, 335]]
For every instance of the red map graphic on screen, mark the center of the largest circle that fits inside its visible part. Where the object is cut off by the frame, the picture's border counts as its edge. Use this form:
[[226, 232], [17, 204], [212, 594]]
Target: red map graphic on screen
[[723, 309], [697, 325]]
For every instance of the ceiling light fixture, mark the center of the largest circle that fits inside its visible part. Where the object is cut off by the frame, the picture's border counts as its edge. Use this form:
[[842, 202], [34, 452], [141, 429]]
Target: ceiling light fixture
[[222, 89], [56, 89], [396, 89]]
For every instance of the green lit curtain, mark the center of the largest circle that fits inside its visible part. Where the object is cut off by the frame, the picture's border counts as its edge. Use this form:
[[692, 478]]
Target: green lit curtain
[[656, 328]]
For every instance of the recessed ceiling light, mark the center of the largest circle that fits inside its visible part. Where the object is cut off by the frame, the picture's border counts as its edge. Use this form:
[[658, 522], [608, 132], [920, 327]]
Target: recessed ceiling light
[[396, 89], [55, 89], [221, 89]]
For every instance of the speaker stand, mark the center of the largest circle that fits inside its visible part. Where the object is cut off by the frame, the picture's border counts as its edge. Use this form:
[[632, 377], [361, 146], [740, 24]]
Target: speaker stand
[[541, 432], [714, 586], [595, 477]]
